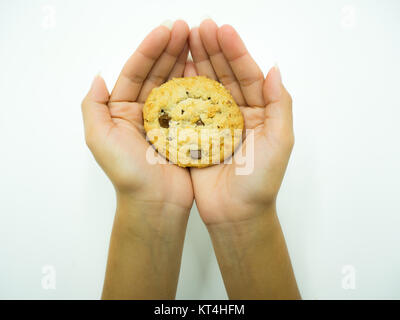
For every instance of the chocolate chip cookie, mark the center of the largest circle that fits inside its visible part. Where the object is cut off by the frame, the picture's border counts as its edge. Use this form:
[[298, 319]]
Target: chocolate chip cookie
[[193, 122]]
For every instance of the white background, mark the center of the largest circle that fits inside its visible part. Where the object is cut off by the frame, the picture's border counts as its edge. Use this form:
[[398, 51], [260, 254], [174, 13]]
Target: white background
[[339, 203]]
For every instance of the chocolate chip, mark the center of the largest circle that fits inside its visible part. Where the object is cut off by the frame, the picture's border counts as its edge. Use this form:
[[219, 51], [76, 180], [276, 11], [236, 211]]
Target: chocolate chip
[[182, 111], [199, 123], [195, 154], [187, 92], [164, 120], [162, 110], [209, 98]]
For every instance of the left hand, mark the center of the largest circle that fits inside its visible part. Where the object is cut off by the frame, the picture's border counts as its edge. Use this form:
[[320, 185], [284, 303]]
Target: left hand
[[153, 200]]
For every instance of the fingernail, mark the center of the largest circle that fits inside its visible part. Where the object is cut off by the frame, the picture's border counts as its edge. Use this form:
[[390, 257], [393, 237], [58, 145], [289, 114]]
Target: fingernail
[[274, 83], [278, 72], [190, 56], [98, 75], [168, 23], [204, 17], [98, 91]]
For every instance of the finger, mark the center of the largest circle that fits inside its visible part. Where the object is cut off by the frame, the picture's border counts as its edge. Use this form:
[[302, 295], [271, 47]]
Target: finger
[[138, 66], [246, 71], [179, 67], [208, 34], [165, 63], [190, 70], [96, 115], [200, 56], [278, 111]]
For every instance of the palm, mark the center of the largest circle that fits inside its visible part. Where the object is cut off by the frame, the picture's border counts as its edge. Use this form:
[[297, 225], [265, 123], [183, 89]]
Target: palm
[[219, 189], [220, 192], [162, 182]]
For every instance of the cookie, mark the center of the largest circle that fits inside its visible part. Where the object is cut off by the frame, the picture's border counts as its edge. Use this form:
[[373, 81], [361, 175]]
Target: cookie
[[193, 121]]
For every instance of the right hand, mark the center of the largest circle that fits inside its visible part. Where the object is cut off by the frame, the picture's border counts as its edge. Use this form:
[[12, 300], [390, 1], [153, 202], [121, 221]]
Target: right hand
[[114, 124]]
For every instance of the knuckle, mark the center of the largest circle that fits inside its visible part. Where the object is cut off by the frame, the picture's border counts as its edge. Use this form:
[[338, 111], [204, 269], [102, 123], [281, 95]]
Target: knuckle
[[226, 79], [248, 81], [156, 78]]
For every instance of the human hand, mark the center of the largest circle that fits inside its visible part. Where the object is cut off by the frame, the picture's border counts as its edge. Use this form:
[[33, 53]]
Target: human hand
[[239, 210], [153, 200], [222, 195], [114, 124]]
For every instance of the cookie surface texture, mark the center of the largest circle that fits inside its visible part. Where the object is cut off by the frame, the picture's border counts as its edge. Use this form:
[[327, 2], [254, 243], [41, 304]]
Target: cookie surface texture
[[193, 121]]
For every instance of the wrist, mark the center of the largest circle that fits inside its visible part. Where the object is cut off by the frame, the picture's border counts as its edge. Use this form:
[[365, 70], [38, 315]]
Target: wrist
[[253, 258], [131, 200], [234, 214], [149, 219], [147, 240], [252, 226]]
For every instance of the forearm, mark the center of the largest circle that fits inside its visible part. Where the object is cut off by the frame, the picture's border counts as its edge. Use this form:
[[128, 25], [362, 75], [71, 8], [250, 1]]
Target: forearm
[[145, 250], [253, 258]]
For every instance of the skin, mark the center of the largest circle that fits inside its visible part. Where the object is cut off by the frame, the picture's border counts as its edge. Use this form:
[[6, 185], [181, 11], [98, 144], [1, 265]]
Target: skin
[[239, 210], [154, 201]]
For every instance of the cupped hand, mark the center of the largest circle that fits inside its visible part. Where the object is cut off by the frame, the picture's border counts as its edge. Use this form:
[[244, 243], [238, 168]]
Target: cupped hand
[[221, 194], [114, 123]]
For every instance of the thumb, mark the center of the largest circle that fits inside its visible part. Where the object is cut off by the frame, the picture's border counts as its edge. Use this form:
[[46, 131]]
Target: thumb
[[96, 115], [278, 110]]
